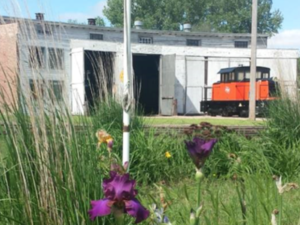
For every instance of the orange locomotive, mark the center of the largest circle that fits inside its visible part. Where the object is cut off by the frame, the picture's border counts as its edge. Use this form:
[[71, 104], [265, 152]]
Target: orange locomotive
[[231, 94]]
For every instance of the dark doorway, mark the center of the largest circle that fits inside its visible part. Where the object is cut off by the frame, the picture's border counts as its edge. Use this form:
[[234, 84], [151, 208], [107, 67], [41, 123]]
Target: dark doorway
[[146, 71], [98, 80]]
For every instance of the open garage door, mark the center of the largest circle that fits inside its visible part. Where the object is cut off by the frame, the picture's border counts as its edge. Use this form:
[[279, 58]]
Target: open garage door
[[146, 72]]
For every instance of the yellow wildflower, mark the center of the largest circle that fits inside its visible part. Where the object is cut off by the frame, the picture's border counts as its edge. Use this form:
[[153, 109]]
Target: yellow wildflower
[[104, 137], [168, 155]]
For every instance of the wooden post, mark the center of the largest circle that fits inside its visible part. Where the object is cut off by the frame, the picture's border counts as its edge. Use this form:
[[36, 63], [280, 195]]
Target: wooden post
[[252, 98]]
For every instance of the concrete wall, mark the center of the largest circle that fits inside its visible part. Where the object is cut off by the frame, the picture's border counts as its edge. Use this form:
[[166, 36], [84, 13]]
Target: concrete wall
[[283, 63], [8, 63]]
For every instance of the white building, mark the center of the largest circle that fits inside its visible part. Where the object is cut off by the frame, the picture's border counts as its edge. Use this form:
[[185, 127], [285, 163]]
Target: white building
[[168, 65]]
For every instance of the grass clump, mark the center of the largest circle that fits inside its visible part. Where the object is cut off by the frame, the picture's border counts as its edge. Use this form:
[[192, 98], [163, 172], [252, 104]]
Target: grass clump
[[221, 200]]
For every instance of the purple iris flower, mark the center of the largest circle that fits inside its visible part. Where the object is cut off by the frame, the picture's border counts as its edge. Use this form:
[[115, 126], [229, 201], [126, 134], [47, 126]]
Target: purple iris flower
[[199, 149], [119, 195]]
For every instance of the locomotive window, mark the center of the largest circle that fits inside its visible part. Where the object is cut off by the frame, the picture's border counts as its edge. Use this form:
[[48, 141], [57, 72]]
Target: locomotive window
[[265, 75], [247, 75], [231, 76], [258, 75], [222, 77], [240, 76], [226, 77]]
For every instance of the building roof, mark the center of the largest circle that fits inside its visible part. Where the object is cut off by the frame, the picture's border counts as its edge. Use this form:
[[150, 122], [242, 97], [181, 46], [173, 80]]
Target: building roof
[[244, 68], [139, 31]]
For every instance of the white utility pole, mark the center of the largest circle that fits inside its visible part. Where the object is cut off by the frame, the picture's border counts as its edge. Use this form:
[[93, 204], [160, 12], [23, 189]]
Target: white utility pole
[[127, 98], [252, 97]]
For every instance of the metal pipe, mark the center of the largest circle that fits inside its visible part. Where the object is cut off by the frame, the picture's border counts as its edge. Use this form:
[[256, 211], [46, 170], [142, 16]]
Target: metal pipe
[[253, 61], [127, 98]]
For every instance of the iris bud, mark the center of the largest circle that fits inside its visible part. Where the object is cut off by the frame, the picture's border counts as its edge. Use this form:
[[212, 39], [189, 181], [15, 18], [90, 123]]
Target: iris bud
[[199, 174]]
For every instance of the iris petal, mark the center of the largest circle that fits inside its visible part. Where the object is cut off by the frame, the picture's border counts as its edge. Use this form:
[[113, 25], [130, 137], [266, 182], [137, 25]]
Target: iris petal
[[199, 149], [135, 209], [99, 208], [119, 187]]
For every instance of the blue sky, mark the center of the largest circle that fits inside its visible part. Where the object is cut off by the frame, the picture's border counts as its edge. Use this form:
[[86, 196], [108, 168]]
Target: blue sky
[[291, 13], [62, 10]]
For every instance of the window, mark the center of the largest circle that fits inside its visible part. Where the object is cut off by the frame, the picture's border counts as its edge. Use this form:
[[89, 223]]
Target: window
[[231, 77], [265, 75], [241, 44], [222, 77], [56, 87], [258, 75], [146, 40], [37, 57], [192, 42], [240, 76], [225, 79], [247, 76], [56, 58], [36, 88], [96, 36], [43, 29]]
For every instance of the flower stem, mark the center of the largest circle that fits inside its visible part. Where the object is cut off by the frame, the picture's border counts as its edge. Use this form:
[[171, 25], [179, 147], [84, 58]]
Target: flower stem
[[280, 209], [197, 220], [119, 220], [199, 193]]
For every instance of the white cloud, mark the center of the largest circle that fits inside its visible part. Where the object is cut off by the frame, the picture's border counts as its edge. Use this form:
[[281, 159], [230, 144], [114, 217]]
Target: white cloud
[[96, 10], [286, 39]]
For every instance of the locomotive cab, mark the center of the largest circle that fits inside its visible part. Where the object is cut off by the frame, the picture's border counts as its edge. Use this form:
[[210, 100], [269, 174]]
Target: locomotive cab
[[230, 95]]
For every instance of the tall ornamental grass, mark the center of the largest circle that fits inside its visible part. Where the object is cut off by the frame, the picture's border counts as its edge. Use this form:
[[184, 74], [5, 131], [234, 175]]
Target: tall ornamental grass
[[49, 170]]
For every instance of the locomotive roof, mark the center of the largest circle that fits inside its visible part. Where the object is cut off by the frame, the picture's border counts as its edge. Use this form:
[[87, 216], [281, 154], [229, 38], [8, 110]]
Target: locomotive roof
[[242, 68]]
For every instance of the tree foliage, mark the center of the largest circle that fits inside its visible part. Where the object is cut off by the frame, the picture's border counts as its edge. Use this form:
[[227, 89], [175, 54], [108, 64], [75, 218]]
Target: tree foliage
[[100, 21], [205, 15]]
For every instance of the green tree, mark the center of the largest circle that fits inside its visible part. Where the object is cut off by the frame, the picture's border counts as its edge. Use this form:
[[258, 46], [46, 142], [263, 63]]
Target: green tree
[[114, 12], [232, 16], [100, 21], [157, 14], [236, 16]]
